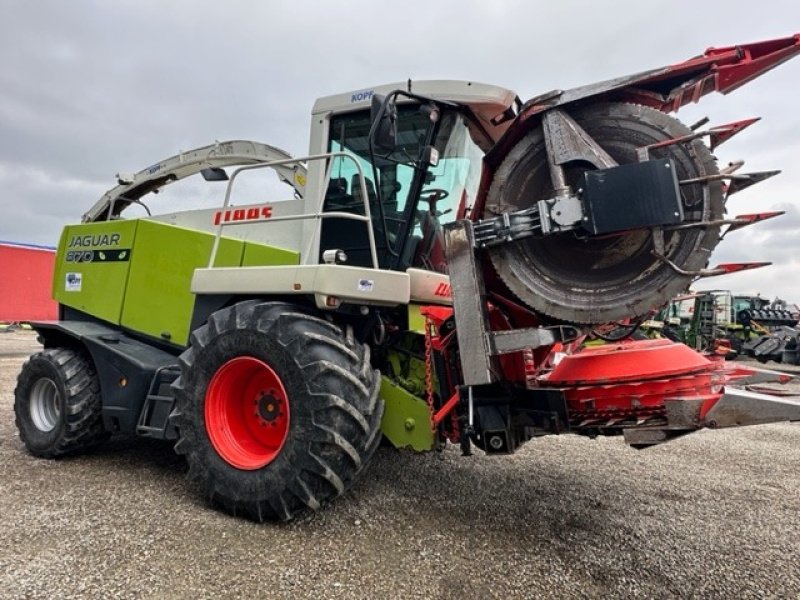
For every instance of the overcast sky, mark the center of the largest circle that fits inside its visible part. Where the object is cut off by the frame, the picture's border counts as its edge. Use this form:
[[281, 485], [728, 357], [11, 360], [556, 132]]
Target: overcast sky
[[88, 89]]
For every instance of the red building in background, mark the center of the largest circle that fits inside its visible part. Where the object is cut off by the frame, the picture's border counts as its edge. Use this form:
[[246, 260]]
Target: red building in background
[[26, 281]]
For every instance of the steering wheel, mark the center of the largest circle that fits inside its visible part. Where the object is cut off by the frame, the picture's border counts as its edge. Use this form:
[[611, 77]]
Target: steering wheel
[[434, 194]]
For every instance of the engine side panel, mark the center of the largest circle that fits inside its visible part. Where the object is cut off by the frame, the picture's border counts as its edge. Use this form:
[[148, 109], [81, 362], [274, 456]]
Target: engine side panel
[[158, 302], [137, 273], [92, 267]]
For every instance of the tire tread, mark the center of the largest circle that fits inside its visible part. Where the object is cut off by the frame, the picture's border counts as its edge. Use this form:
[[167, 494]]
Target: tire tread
[[82, 405], [342, 392]]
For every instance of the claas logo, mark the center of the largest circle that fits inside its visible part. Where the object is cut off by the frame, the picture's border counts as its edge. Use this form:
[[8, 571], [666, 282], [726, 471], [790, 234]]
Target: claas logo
[[257, 213], [443, 290]]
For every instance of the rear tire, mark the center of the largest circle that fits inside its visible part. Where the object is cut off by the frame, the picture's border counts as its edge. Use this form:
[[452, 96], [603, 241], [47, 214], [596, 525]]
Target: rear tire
[[57, 404], [277, 410]]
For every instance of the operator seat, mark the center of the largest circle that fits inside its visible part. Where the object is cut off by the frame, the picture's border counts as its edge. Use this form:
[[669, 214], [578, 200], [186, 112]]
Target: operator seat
[[349, 235], [336, 197], [355, 186]]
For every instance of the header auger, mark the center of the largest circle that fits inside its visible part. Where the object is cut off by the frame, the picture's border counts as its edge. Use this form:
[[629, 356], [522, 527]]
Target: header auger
[[445, 252]]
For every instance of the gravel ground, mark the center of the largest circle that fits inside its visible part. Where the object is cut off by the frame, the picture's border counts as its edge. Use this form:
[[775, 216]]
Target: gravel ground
[[715, 514]]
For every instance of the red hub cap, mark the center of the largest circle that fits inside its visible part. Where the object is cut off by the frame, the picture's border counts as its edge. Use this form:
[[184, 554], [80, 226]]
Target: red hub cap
[[247, 413]]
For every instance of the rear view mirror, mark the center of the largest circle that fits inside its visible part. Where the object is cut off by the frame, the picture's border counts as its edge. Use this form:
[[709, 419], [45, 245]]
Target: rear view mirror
[[214, 174], [383, 113]]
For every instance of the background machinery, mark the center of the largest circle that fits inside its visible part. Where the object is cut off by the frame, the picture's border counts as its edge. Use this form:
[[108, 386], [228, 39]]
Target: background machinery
[[718, 321], [445, 252]]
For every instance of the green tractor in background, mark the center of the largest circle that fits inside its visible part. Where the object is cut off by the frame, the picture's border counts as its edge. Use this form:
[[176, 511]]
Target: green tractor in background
[[719, 322]]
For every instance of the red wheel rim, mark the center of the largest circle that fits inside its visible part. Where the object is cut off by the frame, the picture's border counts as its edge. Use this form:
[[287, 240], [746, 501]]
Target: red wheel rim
[[247, 413]]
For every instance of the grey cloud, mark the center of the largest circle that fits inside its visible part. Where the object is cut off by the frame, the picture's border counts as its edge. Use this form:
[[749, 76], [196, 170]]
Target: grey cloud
[[89, 88]]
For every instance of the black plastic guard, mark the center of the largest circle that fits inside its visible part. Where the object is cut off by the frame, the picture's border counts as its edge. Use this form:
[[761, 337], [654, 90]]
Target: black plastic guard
[[632, 196], [125, 366]]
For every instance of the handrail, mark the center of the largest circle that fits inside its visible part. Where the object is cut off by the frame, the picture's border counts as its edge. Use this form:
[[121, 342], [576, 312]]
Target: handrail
[[319, 214]]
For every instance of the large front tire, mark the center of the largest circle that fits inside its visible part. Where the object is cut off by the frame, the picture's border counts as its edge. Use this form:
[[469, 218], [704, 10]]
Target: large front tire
[[277, 410], [57, 404]]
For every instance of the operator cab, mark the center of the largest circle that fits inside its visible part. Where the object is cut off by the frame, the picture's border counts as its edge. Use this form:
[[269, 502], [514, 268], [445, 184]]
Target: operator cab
[[426, 174]]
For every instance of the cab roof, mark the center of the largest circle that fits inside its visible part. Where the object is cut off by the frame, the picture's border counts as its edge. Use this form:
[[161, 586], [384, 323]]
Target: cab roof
[[487, 102]]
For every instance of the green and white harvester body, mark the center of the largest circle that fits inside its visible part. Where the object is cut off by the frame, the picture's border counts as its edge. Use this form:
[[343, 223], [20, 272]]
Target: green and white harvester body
[[430, 275]]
